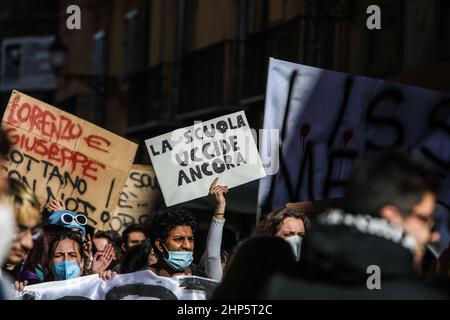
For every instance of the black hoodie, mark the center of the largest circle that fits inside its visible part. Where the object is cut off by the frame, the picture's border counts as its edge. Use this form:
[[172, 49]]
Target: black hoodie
[[337, 254]]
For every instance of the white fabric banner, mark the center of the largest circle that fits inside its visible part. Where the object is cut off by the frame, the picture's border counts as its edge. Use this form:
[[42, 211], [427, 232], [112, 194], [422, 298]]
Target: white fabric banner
[[187, 160], [141, 285], [326, 119]]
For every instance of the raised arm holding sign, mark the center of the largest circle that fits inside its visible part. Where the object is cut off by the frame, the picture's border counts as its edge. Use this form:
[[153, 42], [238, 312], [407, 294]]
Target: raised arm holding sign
[[187, 159]]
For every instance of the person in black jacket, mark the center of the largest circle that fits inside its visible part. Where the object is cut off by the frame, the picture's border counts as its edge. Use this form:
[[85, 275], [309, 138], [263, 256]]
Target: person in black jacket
[[368, 247]]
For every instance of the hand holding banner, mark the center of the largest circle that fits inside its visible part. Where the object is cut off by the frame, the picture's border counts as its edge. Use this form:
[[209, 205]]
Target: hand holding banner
[[141, 285]]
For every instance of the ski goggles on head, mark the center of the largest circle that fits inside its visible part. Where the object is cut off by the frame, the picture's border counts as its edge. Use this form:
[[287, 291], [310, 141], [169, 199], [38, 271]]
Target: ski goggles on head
[[79, 219], [69, 219]]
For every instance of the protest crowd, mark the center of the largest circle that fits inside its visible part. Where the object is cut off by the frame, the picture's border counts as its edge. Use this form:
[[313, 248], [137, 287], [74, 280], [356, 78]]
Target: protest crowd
[[61, 236], [385, 219], [251, 150]]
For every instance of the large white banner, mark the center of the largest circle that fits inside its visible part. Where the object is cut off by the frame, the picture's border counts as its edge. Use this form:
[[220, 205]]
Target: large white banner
[[326, 119], [141, 285], [187, 160]]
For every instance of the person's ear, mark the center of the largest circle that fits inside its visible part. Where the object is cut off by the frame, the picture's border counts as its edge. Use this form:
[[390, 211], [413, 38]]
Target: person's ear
[[391, 214], [159, 246], [124, 247]]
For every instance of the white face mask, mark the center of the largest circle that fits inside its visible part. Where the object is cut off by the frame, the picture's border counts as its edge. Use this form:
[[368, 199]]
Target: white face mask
[[296, 245], [7, 231]]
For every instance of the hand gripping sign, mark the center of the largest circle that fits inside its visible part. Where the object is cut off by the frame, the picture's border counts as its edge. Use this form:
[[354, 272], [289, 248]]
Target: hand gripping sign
[[187, 160]]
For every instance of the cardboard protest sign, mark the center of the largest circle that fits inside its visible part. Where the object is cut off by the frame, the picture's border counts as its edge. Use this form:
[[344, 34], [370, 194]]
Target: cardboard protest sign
[[138, 198], [187, 160], [327, 119], [61, 156], [141, 285]]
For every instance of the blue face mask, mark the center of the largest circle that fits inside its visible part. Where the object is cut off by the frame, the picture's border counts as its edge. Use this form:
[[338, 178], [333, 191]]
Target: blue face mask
[[66, 270], [178, 260]]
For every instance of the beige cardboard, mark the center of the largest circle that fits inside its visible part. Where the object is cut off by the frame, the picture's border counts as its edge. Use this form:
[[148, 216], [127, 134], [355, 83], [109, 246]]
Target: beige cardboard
[[138, 199], [59, 155]]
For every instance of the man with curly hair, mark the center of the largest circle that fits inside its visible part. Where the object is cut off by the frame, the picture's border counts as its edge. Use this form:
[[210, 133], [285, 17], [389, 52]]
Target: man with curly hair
[[172, 232]]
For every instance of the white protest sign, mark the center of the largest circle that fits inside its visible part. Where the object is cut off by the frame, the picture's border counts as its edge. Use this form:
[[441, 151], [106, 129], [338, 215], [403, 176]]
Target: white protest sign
[[141, 285], [187, 160], [327, 119]]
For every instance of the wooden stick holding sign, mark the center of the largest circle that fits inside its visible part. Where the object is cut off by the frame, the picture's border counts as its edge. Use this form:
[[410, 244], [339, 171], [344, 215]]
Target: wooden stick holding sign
[[187, 160], [60, 156]]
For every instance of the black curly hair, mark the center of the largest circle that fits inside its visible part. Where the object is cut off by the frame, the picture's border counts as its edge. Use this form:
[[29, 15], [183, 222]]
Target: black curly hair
[[169, 219]]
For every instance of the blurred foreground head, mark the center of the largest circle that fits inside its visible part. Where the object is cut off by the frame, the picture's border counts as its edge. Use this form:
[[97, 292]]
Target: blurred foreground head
[[7, 224], [7, 227], [5, 147], [27, 212], [383, 223], [255, 260], [395, 186]]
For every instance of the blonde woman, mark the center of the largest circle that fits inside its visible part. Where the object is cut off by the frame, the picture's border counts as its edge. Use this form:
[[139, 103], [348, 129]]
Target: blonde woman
[[27, 212]]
